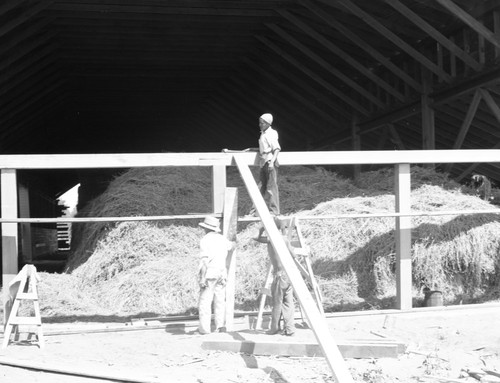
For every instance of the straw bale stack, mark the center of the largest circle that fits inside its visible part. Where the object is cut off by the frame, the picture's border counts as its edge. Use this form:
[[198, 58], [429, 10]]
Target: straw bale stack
[[143, 267]]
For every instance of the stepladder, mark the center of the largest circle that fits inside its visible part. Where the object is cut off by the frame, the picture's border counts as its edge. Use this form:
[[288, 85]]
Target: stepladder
[[302, 259], [22, 308]]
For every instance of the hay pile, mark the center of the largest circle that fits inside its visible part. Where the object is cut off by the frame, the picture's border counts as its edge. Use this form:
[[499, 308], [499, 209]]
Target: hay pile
[[140, 268], [455, 254]]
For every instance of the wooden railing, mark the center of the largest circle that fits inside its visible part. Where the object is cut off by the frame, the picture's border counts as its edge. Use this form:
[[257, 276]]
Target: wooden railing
[[9, 164]]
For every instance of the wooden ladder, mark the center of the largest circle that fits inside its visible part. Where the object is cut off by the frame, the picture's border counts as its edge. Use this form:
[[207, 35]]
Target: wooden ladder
[[303, 263], [23, 288]]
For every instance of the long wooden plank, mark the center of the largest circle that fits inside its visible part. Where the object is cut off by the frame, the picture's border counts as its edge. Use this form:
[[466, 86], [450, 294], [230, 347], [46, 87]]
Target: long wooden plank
[[128, 160], [364, 350], [318, 323]]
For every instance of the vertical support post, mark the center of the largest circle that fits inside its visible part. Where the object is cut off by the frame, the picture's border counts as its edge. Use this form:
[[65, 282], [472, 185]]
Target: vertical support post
[[229, 228], [403, 237], [356, 145], [9, 231], [218, 188], [496, 30], [26, 250], [428, 127]]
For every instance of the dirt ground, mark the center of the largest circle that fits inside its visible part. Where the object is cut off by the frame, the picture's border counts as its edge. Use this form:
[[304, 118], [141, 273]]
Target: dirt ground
[[440, 345]]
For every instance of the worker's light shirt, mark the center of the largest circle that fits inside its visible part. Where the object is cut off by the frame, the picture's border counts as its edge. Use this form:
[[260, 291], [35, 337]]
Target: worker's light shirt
[[268, 143], [214, 248]]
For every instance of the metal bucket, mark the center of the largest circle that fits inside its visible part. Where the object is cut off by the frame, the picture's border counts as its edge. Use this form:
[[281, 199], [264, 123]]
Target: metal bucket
[[433, 298]]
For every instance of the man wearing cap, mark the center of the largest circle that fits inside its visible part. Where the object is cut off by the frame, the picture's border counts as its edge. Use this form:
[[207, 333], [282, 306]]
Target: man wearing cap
[[269, 149], [212, 274]]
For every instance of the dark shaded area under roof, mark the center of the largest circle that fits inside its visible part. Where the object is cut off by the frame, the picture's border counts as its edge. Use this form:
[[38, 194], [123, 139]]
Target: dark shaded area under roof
[[108, 76]]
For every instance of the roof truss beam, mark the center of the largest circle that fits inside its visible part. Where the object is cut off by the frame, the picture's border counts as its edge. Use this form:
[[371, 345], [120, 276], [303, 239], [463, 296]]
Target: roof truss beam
[[470, 21], [434, 33], [396, 40]]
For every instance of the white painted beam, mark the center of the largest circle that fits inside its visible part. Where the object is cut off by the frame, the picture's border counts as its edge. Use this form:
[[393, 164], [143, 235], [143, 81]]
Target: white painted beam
[[129, 160]]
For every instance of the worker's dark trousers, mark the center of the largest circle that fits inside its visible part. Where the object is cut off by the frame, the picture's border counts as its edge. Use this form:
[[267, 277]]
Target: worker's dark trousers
[[282, 296], [269, 188]]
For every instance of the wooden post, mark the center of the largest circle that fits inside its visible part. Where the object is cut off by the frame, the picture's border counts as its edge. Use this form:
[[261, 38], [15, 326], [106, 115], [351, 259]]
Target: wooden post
[[496, 29], [218, 188], [356, 144], [403, 237], [323, 336], [9, 231], [25, 228], [428, 127], [229, 228]]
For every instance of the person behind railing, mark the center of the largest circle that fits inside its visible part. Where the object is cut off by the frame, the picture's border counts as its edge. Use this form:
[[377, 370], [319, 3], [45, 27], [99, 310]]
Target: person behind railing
[[268, 150]]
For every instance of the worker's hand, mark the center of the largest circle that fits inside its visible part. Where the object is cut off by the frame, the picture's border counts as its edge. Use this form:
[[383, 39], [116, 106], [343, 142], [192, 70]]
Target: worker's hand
[[270, 165], [224, 150], [203, 283]]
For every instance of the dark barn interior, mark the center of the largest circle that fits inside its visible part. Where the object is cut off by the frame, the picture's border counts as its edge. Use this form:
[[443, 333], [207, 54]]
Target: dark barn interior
[[106, 76]]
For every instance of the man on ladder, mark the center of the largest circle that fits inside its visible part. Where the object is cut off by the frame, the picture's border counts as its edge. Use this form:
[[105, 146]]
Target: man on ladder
[[281, 289]]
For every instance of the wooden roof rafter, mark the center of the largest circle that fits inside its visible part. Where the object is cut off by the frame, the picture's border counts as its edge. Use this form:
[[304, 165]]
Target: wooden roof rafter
[[48, 51], [330, 46], [350, 102], [435, 34], [26, 16], [470, 21], [326, 65], [396, 40], [162, 8], [358, 41], [286, 88], [315, 96], [244, 80], [27, 48]]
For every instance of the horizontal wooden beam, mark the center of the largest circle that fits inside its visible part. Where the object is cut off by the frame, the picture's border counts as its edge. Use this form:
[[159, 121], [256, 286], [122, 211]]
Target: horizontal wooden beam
[[130, 160], [367, 350]]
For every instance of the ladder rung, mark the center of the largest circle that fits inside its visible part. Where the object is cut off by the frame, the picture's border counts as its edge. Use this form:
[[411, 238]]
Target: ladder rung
[[30, 296]]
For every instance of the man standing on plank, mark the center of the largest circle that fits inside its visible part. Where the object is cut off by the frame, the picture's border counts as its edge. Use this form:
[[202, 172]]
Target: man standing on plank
[[268, 150]]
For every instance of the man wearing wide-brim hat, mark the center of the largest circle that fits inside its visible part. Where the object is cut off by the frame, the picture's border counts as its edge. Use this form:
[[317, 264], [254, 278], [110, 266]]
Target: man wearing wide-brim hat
[[212, 275]]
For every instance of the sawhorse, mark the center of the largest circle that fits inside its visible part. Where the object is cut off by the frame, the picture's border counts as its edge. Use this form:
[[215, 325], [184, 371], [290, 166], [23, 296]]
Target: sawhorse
[[23, 289]]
